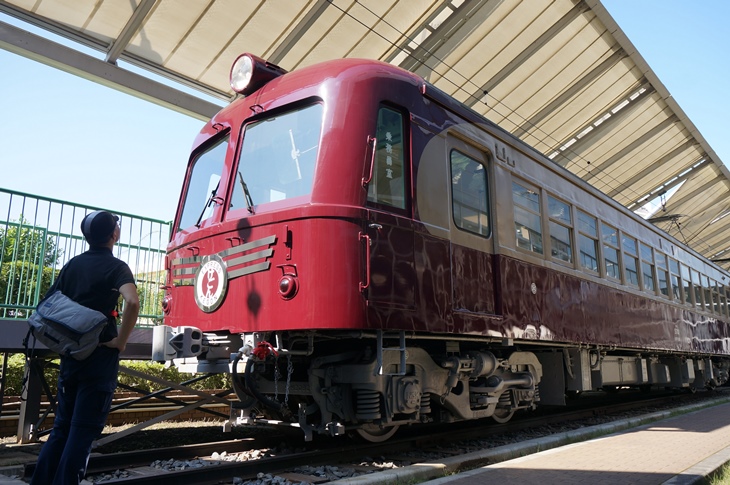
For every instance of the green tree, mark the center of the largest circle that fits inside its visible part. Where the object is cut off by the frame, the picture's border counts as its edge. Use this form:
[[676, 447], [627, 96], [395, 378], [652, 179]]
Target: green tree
[[149, 290], [21, 241], [28, 256]]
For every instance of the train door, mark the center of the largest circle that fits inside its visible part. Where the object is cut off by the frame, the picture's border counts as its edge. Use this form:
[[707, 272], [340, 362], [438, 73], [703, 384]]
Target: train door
[[389, 230], [472, 247]]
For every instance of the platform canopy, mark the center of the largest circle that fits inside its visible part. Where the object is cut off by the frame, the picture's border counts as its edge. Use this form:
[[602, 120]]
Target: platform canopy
[[560, 74]]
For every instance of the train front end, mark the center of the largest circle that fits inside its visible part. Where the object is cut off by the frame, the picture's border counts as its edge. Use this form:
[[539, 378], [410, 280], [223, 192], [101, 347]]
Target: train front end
[[266, 261]]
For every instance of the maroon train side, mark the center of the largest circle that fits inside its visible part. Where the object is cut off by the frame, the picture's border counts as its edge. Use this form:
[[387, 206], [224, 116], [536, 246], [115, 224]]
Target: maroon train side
[[362, 251]]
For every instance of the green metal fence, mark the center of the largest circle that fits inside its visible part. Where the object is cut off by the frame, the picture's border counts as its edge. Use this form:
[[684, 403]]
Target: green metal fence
[[39, 235]]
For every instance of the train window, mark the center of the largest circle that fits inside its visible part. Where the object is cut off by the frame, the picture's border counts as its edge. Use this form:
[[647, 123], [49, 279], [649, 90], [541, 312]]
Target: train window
[[631, 262], [697, 288], [647, 268], [716, 297], [720, 299], [388, 184], [609, 235], [588, 241], [675, 279], [469, 194], [527, 217], [706, 292], [205, 176], [277, 159], [686, 285], [724, 309], [561, 230], [662, 273]]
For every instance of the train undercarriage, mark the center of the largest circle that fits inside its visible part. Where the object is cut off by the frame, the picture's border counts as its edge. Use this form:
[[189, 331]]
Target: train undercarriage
[[370, 384]]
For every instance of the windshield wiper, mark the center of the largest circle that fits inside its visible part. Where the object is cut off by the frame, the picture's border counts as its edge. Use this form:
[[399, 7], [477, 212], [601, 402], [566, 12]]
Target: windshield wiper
[[246, 193], [207, 203]]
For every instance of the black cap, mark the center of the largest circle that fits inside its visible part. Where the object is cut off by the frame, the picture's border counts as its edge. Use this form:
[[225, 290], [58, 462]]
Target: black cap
[[98, 226]]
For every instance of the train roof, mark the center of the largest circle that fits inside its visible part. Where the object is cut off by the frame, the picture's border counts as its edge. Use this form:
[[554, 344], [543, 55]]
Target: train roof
[[315, 74]]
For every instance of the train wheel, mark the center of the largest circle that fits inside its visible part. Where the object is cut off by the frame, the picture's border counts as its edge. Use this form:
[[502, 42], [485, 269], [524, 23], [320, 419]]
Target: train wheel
[[502, 415], [374, 433]]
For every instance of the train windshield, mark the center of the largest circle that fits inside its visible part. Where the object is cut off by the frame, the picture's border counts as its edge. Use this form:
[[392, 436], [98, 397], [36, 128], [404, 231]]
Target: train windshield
[[278, 158], [203, 187]]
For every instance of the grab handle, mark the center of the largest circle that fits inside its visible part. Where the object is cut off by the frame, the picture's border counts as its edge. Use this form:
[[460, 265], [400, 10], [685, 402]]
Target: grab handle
[[374, 141], [364, 236]]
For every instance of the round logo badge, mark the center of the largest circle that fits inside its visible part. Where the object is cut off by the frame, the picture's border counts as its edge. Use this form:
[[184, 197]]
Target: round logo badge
[[211, 282]]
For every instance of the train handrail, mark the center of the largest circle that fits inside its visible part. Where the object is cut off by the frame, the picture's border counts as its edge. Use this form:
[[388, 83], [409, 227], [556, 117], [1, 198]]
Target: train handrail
[[364, 236], [374, 141]]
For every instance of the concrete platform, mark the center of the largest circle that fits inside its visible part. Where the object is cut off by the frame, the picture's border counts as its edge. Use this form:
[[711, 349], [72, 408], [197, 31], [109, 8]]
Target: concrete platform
[[671, 450], [678, 450]]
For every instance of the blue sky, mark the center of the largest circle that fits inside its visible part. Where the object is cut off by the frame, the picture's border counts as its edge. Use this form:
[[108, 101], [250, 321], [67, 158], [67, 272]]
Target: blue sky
[[71, 139]]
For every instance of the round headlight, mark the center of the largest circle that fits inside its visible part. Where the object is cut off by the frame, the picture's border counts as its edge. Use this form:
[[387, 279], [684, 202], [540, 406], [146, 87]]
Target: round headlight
[[241, 73], [250, 73]]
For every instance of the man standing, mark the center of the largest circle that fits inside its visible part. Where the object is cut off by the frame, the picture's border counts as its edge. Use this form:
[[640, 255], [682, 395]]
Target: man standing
[[94, 279]]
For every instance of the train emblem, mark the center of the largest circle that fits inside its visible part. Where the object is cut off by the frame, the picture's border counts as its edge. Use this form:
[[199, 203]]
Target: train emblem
[[211, 283]]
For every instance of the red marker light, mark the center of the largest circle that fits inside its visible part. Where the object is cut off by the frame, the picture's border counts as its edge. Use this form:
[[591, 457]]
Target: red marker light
[[288, 286]]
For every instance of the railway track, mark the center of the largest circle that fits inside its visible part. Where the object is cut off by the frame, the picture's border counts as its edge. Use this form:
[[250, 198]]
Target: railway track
[[124, 410], [331, 459]]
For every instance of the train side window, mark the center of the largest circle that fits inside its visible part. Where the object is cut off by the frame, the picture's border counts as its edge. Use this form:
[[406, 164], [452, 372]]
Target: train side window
[[717, 307], [631, 262], [724, 295], [706, 292], [527, 217], [721, 299], [662, 273], [686, 285], [675, 280], [561, 230], [697, 288], [647, 268], [469, 194], [588, 241], [388, 185], [609, 236]]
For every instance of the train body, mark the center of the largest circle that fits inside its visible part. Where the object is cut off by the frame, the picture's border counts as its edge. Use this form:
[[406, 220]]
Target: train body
[[361, 252]]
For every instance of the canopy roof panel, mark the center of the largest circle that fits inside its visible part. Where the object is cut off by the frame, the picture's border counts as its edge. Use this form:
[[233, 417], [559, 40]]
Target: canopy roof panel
[[560, 74]]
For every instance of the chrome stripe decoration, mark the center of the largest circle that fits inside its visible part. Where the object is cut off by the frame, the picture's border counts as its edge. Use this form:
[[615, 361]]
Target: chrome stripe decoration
[[249, 245], [241, 265], [185, 274], [254, 268], [184, 271], [190, 260], [251, 257]]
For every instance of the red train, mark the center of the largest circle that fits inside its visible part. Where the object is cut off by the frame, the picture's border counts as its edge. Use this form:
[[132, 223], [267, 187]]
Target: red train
[[362, 251]]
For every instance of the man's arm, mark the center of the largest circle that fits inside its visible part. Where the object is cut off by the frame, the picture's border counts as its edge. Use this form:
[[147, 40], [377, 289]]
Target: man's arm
[[129, 317]]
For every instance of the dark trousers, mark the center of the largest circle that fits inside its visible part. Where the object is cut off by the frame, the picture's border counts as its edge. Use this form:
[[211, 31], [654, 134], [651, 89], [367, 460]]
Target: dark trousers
[[85, 392]]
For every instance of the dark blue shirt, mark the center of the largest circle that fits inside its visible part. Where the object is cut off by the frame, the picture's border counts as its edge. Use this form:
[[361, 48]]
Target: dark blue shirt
[[93, 279]]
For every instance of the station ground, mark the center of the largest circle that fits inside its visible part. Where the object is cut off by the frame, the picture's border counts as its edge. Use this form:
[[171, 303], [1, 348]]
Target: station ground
[[659, 448]]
